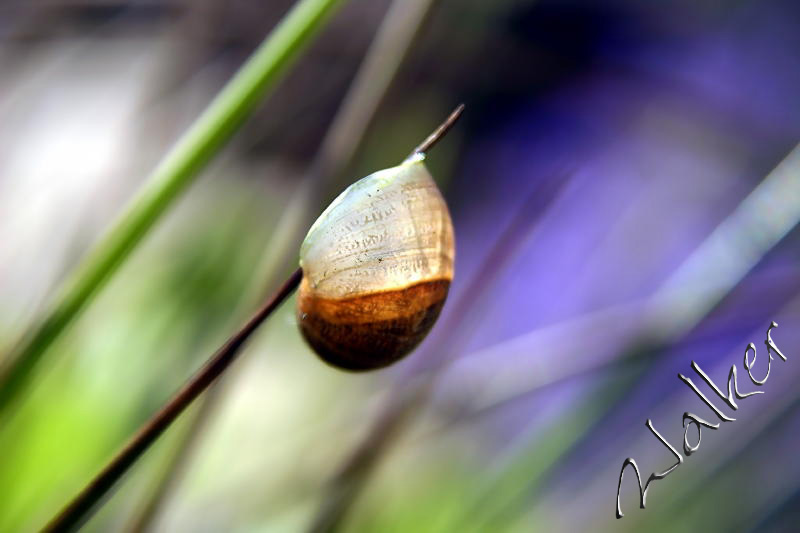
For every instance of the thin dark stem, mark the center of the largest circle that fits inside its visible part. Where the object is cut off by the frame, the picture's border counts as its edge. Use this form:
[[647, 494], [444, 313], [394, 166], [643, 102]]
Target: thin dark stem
[[80, 507], [342, 141], [439, 132]]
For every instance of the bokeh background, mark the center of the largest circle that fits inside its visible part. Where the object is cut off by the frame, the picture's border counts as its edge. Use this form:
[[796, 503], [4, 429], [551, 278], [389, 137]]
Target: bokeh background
[[625, 194]]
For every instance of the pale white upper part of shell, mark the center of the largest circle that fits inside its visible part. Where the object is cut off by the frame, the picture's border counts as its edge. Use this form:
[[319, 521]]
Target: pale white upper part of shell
[[389, 230]]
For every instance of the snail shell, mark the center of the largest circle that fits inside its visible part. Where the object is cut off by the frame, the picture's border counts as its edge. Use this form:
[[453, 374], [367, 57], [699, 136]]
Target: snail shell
[[377, 265]]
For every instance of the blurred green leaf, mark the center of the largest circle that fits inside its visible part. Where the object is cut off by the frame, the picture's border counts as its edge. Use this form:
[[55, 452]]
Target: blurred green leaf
[[179, 168]]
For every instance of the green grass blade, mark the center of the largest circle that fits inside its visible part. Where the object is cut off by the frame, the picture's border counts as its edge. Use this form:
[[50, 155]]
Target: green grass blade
[[178, 169]]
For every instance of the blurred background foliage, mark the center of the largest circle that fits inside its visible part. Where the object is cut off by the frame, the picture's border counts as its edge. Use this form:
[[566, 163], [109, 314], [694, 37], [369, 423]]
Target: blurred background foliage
[[658, 119]]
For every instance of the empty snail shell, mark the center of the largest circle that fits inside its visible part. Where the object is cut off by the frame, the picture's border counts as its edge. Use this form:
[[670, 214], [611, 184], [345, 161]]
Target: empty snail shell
[[377, 265]]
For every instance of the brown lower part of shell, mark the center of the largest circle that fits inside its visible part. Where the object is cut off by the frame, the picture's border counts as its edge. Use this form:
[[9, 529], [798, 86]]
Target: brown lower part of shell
[[370, 331]]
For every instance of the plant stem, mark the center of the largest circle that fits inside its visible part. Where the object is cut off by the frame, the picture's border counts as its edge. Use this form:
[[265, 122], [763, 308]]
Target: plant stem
[[172, 176], [440, 132], [80, 507], [389, 48]]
